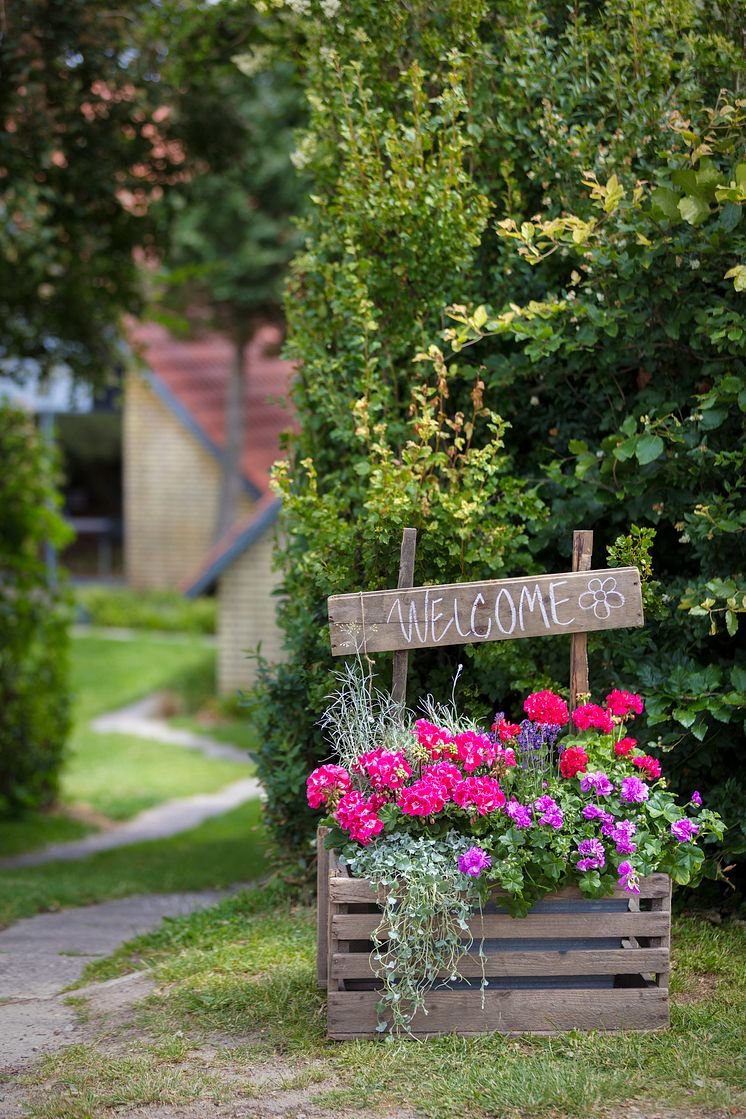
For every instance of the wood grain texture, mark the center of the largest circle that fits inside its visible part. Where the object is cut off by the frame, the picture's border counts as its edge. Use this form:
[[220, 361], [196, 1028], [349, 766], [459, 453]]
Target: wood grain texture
[[352, 1014], [406, 579], [360, 926], [356, 891], [496, 610], [582, 961], [582, 552], [322, 906]]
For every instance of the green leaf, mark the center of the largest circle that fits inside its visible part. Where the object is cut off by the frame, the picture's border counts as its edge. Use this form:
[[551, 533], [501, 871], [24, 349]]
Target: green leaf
[[741, 174], [731, 623], [667, 201], [738, 674], [694, 209], [480, 317], [625, 450], [730, 216], [681, 715], [649, 448]]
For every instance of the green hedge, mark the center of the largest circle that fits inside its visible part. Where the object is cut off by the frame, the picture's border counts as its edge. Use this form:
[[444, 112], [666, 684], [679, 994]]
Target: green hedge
[[613, 350], [34, 704], [165, 611]]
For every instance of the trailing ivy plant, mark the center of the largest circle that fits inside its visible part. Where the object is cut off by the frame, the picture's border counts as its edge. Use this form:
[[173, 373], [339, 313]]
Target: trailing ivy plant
[[427, 906]]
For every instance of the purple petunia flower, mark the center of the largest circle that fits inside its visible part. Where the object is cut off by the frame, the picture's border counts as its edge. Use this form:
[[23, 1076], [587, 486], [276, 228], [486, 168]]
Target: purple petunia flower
[[696, 798], [597, 782], [594, 856], [596, 812], [683, 830], [629, 879], [519, 814], [622, 834], [551, 813], [474, 861], [634, 791]]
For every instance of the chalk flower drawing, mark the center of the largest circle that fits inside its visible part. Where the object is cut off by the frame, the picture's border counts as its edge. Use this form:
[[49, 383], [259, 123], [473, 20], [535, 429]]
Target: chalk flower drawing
[[601, 597]]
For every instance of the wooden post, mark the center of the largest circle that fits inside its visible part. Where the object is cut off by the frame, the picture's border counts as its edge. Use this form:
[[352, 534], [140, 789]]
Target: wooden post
[[582, 551], [406, 579], [322, 906]]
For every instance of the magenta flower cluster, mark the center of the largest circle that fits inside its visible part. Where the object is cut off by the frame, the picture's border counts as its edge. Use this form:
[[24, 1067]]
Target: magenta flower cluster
[[465, 774], [474, 861]]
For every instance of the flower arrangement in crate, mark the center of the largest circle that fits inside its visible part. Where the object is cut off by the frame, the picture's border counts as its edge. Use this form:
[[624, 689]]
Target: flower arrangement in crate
[[437, 811]]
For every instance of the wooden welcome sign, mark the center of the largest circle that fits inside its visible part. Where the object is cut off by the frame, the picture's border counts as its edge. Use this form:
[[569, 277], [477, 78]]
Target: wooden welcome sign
[[575, 602]]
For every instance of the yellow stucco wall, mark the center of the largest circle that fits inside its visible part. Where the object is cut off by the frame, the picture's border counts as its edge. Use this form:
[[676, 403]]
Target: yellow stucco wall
[[246, 615], [171, 489]]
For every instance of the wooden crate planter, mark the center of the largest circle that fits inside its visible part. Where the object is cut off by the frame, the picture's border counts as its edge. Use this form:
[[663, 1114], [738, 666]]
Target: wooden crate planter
[[570, 964], [557, 969]]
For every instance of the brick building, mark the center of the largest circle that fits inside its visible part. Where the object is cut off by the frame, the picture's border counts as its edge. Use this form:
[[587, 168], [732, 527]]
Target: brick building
[[172, 452]]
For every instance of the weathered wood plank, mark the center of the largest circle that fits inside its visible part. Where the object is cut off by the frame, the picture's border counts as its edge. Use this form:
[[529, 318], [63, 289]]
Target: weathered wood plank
[[582, 551], [352, 1014], [355, 891], [600, 961], [360, 926], [663, 905], [322, 906], [496, 610], [406, 579]]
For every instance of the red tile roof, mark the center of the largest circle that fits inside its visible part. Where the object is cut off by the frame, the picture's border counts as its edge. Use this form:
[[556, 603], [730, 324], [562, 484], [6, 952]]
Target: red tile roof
[[195, 373]]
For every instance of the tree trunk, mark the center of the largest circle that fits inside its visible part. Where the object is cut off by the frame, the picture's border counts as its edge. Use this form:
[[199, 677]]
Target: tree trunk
[[235, 434]]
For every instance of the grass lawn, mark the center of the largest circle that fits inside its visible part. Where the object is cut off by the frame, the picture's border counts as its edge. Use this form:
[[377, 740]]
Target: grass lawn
[[114, 775], [119, 775], [107, 673], [218, 853], [240, 979], [29, 833], [236, 731]]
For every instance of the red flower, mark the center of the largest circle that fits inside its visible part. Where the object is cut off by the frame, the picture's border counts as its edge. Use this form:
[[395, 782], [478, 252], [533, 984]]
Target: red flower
[[591, 715], [650, 765], [506, 730], [624, 746], [573, 761], [546, 708], [624, 704]]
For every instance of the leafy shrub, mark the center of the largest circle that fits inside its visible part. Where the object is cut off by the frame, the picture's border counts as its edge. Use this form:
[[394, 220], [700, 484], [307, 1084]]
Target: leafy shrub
[[650, 321], [33, 623], [163, 610], [612, 360]]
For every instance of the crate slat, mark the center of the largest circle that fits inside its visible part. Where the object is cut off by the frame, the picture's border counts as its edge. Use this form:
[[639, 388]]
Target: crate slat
[[611, 961], [356, 891], [352, 1014], [360, 926]]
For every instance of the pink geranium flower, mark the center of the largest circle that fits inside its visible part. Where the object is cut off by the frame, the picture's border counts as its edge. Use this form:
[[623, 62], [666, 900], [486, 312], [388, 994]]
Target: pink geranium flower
[[482, 793], [591, 715], [325, 783]]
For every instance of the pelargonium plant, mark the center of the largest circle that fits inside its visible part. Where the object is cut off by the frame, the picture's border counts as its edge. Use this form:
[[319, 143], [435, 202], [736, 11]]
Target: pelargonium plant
[[437, 811]]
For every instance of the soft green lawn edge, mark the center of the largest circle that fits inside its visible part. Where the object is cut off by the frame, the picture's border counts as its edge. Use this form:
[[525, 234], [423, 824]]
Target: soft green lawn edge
[[120, 775], [108, 672], [32, 832], [219, 853], [244, 971]]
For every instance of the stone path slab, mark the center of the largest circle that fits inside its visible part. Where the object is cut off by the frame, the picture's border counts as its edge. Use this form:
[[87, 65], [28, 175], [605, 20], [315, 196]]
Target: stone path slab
[[40, 956], [141, 720]]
